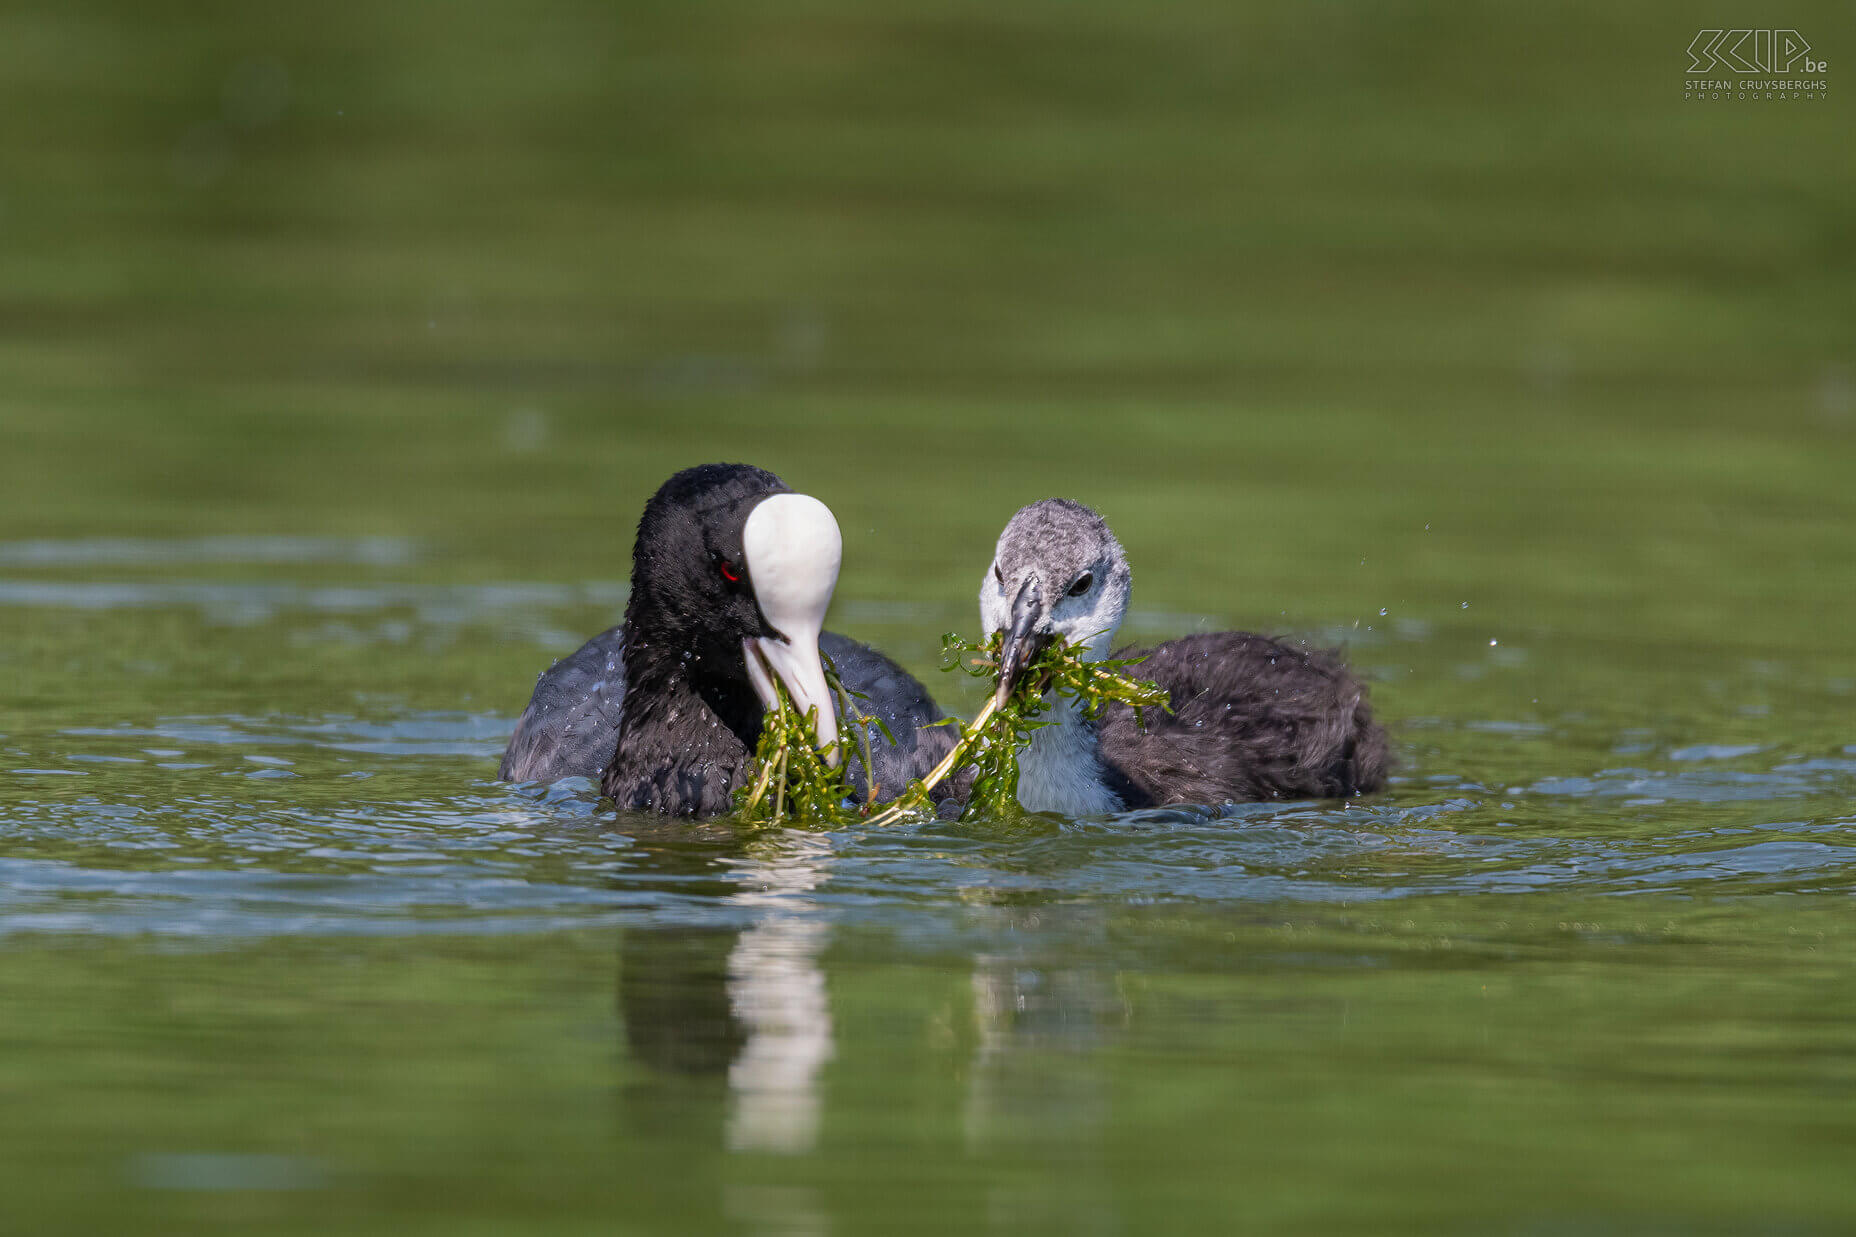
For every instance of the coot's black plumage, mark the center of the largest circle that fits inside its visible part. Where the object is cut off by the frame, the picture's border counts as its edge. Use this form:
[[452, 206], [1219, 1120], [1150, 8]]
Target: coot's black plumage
[[1251, 717], [571, 724], [664, 709]]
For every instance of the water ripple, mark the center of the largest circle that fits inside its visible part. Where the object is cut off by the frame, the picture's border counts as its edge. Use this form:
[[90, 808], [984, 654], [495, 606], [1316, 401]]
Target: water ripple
[[146, 551], [235, 825]]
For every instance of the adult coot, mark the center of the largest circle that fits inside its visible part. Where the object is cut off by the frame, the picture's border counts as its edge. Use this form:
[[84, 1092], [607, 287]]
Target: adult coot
[[731, 575]]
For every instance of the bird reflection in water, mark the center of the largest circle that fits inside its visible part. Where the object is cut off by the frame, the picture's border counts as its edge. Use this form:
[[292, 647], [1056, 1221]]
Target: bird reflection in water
[[746, 1004], [1040, 1024], [733, 1021], [776, 991]]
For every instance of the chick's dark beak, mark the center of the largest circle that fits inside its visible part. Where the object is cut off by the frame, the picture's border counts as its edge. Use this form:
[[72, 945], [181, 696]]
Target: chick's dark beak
[[1025, 638]]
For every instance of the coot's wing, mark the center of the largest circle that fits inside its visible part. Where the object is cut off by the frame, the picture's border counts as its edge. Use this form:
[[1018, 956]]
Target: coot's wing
[[571, 724], [905, 706], [1252, 718]]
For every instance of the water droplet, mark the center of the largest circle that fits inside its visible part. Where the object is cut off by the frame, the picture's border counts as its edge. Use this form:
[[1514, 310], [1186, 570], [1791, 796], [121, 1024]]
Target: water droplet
[[1382, 611], [1491, 644]]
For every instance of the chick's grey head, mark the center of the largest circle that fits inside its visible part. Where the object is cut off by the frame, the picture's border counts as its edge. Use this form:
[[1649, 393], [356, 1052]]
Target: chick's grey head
[[1057, 571]]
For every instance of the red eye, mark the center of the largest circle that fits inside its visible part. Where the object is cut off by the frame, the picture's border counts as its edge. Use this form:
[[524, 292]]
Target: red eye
[[728, 571]]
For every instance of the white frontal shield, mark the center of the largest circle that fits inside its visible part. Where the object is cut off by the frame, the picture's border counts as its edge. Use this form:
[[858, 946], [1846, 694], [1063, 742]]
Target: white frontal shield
[[792, 550]]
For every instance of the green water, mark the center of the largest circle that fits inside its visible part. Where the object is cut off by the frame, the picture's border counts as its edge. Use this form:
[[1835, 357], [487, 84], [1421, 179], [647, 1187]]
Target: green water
[[339, 348]]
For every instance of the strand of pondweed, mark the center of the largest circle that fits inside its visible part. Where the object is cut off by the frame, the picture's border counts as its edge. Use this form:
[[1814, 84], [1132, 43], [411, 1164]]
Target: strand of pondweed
[[1060, 669], [847, 710], [796, 774], [992, 740], [916, 798], [793, 780], [791, 771]]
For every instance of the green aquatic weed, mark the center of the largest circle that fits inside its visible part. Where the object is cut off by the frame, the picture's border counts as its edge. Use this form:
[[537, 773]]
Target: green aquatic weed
[[797, 782], [794, 782], [1061, 669]]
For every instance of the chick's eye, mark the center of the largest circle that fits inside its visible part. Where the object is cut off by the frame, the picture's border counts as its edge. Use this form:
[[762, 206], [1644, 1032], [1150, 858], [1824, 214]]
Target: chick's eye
[[1082, 584], [728, 571], [997, 574]]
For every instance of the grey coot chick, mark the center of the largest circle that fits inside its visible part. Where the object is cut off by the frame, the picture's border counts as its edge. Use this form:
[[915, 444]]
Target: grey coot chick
[[1252, 717], [731, 576]]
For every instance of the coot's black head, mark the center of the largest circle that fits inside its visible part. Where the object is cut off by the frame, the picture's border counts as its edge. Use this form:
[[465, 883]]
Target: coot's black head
[[690, 583], [733, 572], [1057, 571]]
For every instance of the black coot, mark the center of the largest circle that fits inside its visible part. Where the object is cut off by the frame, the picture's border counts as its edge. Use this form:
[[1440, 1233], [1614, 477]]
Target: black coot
[[731, 575]]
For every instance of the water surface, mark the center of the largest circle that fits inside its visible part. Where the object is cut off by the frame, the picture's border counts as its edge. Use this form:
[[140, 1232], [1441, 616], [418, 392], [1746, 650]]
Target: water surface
[[339, 349]]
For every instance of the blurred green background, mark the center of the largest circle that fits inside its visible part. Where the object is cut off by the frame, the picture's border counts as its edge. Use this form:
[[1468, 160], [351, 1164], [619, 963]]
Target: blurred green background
[[1328, 307]]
